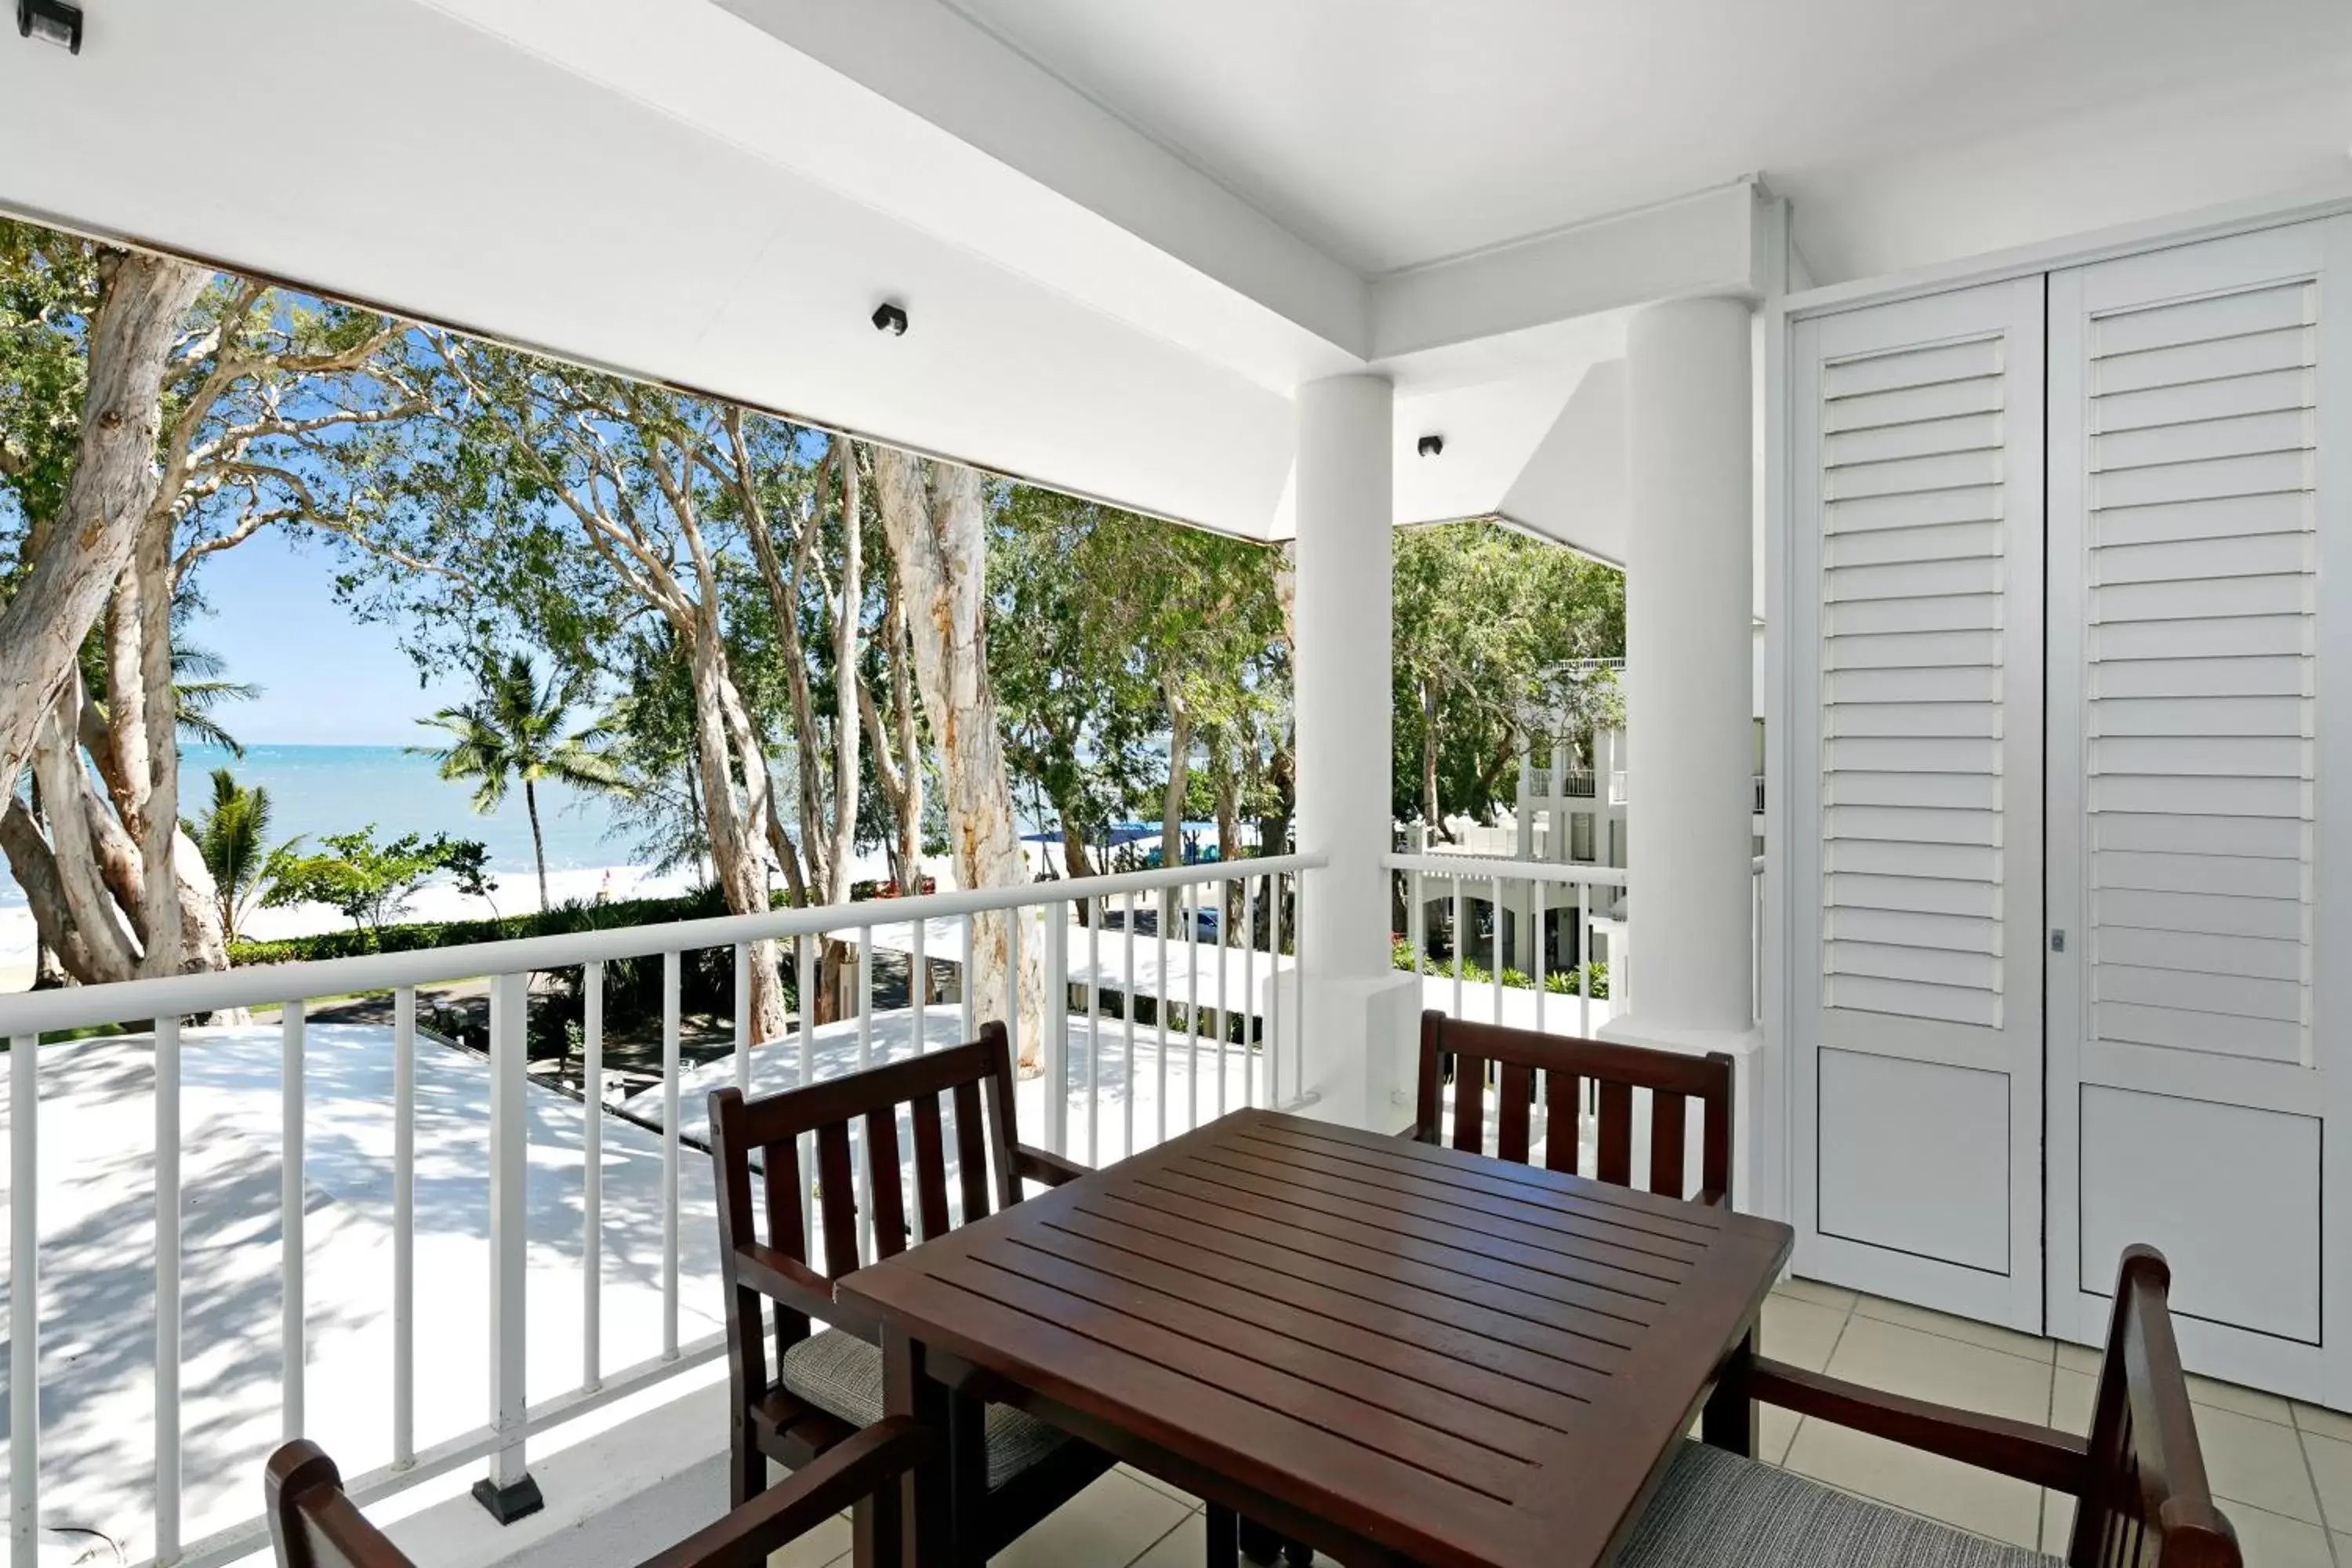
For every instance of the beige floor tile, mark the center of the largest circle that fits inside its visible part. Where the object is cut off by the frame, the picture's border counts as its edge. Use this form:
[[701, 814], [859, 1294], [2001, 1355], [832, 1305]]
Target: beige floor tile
[[2326, 1422], [1881, 1355], [1774, 1429], [2251, 1460], [1837, 1298], [2331, 1467], [1799, 1333], [2057, 1524], [828, 1544], [1962, 1495], [2269, 1541], [1186, 1546], [1114, 1521], [1988, 1335], [1156, 1484], [2071, 1399], [2244, 1401], [2080, 1358]]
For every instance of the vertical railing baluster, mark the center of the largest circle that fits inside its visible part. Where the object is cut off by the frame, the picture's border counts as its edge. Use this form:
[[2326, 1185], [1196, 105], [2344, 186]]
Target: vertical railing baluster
[[743, 1016], [964, 988], [1537, 891], [1225, 951], [23, 1303], [1459, 943], [919, 975], [592, 1183], [669, 1154], [167, 1289], [1298, 972], [1013, 921], [1416, 922], [861, 1160], [1192, 1006], [1053, 1050], [403, 1226], [1167, 902], [804, 976], [1250, 1040], [509, 1240], [1094, 1031], [1498, 949], [292, 1340], [1127, 1009], [1273, 996], [1584, 959]]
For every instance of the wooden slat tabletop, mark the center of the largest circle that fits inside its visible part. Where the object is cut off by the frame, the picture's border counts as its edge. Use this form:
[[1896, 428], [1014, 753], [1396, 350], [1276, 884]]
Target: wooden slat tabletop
[[1451, 1359]]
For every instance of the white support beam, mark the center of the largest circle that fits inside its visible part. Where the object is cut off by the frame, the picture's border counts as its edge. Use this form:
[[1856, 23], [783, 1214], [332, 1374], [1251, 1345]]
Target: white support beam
[[1710, 243]]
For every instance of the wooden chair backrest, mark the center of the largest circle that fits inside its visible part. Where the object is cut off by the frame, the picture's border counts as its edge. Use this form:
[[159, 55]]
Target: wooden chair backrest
[[2145, 1503], [783, 1270], [314, 1524], [311, 1523], [1675, 1081]]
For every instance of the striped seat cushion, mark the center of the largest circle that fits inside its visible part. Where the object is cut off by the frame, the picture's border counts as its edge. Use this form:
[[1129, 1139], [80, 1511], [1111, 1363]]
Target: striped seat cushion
[[1716, 1510], [841, 1375]]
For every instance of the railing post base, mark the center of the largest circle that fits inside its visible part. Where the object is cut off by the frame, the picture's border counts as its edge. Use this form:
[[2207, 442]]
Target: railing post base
[[515, 1500]]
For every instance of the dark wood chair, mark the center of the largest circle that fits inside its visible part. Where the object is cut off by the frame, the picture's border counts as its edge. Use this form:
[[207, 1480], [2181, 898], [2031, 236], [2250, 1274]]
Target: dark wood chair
[[2139, 1479], [1567, 1064], [824, 1384], [313, 1524]]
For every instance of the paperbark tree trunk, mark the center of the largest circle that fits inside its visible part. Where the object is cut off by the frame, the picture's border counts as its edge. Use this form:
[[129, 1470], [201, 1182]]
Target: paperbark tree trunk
[[81, 552], [731, 828], [934, 515]]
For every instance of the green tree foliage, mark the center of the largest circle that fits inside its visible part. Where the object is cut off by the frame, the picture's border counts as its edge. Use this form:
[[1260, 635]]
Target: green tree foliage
[[515, 731], [232, 834], [370, 884], [1489, 625], [1140, 644]]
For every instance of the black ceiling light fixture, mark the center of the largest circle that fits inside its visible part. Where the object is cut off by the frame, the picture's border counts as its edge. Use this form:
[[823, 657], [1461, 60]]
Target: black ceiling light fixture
[[1432, 446], [52, 22], [891, 318]]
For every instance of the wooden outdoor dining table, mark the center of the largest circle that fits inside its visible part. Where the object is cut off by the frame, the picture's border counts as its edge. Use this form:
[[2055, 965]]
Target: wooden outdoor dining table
[[1392, 1352]]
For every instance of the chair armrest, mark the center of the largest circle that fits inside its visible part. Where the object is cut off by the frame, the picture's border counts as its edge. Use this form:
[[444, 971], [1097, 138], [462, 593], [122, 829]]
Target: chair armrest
[[1035, 1165], [850, 1471], [781, 1277], [2042, 1455]]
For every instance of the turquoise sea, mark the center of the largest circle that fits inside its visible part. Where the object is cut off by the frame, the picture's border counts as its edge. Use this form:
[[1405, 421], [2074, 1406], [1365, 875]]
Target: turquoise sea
[[318, 790]]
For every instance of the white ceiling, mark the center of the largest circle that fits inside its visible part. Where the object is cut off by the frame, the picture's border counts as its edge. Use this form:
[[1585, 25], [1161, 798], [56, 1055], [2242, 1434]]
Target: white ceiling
[[1394, 132], [1126, 233]]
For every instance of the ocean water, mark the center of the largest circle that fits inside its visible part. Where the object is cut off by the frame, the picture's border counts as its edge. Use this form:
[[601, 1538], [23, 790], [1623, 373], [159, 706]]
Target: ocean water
[[318, 790]]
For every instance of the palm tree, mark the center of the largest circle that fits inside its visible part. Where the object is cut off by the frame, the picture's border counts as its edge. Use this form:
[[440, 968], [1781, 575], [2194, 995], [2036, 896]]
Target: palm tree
[[230, 835], [513, 730]]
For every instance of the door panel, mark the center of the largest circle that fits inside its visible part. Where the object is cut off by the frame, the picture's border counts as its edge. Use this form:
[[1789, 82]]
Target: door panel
[[2192, 502], [1916, 431]]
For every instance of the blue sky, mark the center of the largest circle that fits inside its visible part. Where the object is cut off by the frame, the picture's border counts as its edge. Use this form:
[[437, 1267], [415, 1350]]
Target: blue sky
[[327, 678]]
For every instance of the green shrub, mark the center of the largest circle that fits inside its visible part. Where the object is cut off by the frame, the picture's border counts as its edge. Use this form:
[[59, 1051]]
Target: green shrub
[[631, 985]]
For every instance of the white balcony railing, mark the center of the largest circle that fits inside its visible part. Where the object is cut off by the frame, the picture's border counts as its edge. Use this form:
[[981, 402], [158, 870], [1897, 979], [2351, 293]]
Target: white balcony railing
[[1574, 914], [1570, 911], [498, 1166]]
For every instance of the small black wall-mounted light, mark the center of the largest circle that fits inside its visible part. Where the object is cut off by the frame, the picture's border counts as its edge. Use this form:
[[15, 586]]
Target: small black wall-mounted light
[[1432, 446], [52, 22], [891, 319]]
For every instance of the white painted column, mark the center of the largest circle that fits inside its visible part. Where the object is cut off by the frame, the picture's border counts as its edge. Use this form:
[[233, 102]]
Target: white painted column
[[1346, 509], [1688, 612]]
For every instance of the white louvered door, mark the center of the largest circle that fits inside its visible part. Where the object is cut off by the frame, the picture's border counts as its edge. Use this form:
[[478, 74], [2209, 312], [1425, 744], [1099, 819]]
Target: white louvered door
[[2197, 656], [1915, 639]]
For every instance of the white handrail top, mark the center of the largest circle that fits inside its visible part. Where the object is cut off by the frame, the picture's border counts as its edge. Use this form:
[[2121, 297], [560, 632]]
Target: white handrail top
[[1484, 871], [81, 1007]]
